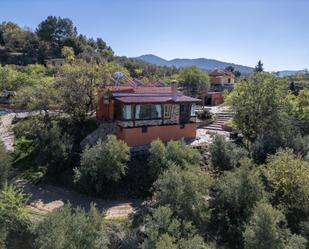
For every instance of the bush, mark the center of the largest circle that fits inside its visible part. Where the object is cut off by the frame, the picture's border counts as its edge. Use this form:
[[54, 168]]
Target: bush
[[177, 152], [163, 231], [235, 194], [266, 229], [5, 165], [68, 228], [224, 154], [206, 115], [186, 192], [288, 177], [42, 145], [13, 214], [101, 164]]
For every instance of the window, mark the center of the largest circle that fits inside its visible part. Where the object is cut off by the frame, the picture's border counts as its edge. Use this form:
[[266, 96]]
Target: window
[[126, 112], [105, 99], [193, 107], [167, 111], [184, 108], [148, 111], [229, 80]]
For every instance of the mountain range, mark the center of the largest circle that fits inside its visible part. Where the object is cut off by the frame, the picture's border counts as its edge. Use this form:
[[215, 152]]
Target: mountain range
[[204, 64]]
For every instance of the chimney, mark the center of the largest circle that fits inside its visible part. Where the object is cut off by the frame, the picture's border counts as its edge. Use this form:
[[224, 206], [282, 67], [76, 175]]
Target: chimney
[[174, 90]]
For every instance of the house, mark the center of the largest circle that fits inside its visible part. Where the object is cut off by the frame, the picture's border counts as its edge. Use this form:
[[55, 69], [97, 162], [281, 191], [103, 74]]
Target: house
[[220, 81], [55, 62], [6, 98], [145, 113]]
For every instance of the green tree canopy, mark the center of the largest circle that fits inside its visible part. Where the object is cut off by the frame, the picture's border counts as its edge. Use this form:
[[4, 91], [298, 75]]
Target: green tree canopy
[[236, 193], [186, 192], [266, 229], [103, 163], [13, 213], [288, 177], [225, 155], [72, 228], [194, 80], [259, 103], [177, 152], [56, 29], [163, 231], [5, 166], [259, 67]]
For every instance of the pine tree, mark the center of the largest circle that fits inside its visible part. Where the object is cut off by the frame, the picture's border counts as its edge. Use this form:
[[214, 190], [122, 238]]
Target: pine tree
[[259, 67]]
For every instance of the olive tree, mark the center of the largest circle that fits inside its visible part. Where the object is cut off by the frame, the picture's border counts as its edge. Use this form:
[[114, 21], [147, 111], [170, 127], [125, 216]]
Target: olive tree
[[103, 163], [186, 191], [5, 164], [266, 229]]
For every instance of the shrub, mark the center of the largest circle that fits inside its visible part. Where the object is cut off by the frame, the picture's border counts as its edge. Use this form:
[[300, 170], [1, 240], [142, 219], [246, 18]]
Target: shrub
[[102, 164], [13, 214], [225, 155], [266, 229], [44, 146], [68, 228], [177, 152], [163, 230], [5, 165], [186, 192], [206, 115], [235, 194], [288, 177]]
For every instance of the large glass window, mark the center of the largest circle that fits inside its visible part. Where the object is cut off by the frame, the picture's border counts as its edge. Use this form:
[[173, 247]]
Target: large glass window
[[148, 111], [193, 107], [167, 111], [127, 112]]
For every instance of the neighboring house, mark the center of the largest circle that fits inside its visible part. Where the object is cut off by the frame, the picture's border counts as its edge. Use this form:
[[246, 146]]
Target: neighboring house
[[220, 81], [6, 98], [55, 62], [143, 114]]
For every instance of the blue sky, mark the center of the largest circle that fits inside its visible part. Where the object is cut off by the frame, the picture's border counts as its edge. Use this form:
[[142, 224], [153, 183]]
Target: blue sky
[[239, 31]]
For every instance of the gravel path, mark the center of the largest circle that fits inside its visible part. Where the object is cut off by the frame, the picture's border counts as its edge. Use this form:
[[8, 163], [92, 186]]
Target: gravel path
[[44, 198]]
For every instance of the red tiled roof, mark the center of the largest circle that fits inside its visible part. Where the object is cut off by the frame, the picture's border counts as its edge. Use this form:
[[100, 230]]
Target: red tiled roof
[[122, 89], [155, 99], [166, 89], [142, 89]]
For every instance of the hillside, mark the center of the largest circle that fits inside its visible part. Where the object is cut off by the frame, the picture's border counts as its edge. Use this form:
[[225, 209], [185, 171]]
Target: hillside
[[203, 63]]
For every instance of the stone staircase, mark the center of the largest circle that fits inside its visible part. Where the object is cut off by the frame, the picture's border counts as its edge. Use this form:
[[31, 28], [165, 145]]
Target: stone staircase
[[216, 127], [101, 132]]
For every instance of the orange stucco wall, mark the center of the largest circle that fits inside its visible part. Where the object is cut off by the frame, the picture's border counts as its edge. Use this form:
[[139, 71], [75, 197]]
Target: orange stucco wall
[[221, 79], [135, 136]]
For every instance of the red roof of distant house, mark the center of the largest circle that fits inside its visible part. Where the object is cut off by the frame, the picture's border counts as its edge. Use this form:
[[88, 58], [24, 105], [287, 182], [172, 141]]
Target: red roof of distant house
[[166, 89]]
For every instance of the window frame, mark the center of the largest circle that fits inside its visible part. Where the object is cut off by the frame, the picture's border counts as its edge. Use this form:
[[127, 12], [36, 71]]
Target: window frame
[[148, 118], [167, 111], [194, 113]]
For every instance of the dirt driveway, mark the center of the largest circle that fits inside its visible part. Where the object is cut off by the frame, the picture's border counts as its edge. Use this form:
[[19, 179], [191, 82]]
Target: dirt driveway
[[45, 198]]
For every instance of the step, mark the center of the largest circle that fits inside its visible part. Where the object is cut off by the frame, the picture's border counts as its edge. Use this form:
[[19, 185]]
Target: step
[[214, 129], [214, 126]]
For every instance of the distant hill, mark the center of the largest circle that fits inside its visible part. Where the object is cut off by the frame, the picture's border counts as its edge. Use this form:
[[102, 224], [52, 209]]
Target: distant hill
[[207, 64], [291, 72], [202, 63]]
